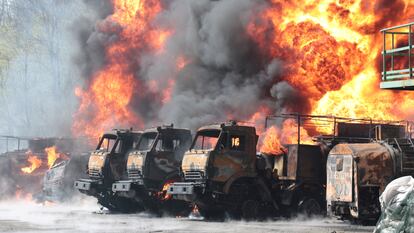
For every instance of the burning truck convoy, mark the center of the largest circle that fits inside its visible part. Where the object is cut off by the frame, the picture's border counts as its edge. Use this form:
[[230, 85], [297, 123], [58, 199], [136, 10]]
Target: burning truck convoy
[[334, 158], [220, 173]]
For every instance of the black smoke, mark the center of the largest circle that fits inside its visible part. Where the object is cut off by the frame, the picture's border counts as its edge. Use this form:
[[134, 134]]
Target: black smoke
[[226, 76]]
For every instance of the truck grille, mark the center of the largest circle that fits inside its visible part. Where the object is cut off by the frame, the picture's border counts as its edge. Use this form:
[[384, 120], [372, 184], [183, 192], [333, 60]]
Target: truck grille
[[94, 173], [193, 175], [134, 174]]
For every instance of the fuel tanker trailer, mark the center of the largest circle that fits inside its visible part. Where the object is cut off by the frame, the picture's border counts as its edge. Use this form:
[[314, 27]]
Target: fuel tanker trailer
[[151, 167], [106, 165], [357, 174]]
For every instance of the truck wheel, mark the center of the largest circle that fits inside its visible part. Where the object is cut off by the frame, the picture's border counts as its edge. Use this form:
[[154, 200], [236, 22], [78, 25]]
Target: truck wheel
[[250, 210], [119, 204], [310, 207], [177, 208]]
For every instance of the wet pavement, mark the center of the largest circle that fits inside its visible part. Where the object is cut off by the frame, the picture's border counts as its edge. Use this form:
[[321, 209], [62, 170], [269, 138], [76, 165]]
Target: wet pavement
[[86, 216]]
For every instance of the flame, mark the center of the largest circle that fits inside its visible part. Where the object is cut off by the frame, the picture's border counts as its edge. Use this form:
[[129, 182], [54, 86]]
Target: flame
[[52, 155], [163, 193], [271, 143], [34, 161], [105, 102], [21, 195], [168, 91], [331, 50], [290, 133], [182, 62], [274, 138]]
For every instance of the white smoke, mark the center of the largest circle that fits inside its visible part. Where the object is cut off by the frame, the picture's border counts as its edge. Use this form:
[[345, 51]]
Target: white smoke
[[37, 92]]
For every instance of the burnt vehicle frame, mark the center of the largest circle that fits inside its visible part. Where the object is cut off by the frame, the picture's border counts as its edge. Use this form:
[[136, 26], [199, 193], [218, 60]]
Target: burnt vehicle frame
[[152, 166], [392, 141], [358, 174], [36, 182], [285, 184], [106, 166], [219, 177]]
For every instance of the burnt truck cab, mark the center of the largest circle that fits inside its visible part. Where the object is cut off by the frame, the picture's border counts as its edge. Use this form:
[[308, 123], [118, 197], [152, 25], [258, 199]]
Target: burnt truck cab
[[153, 165], [107, 164], [356, 176], [59, 179], [219, 171]]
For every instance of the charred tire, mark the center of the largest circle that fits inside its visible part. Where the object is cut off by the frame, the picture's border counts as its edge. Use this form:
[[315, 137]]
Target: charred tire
[[119, 204], [152, 206], [310, 206], [177, 208], [250, 210], [247, 203]]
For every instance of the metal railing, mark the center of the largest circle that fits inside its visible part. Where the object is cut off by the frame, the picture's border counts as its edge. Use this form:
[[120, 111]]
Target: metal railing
[[325, 127], [400, 46]]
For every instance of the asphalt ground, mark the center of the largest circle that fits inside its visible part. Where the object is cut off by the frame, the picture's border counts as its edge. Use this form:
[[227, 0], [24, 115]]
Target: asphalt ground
[[86, 216]]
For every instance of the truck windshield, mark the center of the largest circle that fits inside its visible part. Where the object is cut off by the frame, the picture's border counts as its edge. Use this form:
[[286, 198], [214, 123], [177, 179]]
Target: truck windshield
[[146, 141], [107, 143], [168, 143], [206, 140]]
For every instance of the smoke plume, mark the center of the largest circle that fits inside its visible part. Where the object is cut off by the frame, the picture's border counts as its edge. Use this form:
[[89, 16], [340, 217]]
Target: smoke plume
[[221, 72]]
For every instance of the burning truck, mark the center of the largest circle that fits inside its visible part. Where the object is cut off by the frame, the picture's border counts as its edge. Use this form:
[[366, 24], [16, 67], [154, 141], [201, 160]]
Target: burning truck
[[131, 170], [152, 166], [106, 165], [58, 180], [222, 172], [26, 161]]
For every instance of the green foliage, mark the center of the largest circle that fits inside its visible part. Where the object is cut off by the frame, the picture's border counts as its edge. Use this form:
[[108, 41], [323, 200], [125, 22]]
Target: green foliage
[[8, 48]]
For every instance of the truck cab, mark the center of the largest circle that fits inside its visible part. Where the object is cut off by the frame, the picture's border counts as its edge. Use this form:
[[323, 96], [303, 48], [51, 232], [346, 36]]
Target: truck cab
[[219, 171], [106, 165], [152, 166]]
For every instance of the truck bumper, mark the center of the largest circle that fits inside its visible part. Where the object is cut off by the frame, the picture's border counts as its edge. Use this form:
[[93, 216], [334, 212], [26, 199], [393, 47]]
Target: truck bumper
[[126, 185], [187, 191], [179, 188], [86, 184]]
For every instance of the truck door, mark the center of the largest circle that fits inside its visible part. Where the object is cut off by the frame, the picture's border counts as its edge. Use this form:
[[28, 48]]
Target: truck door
[[231, 156], [339, 178], [162, 159], [117, 160]]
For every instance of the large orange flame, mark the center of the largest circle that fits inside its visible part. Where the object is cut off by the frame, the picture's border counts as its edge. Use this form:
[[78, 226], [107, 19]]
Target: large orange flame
[[271, 143], [34, 161], [331, 49], [105, 102], [274, 138]]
